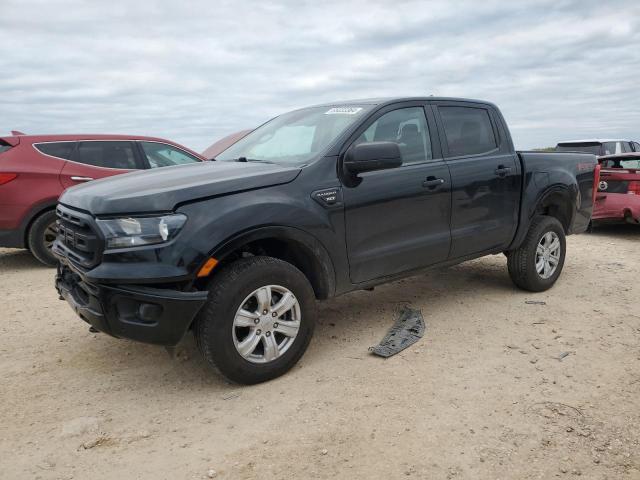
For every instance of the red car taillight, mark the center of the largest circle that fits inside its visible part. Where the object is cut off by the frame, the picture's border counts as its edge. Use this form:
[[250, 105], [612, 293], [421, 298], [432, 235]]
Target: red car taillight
[[7, 177], [634, 188], [596, 181]]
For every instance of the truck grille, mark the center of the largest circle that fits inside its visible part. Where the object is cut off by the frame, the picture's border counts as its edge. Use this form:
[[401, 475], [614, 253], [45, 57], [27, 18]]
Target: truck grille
[[77, 237]]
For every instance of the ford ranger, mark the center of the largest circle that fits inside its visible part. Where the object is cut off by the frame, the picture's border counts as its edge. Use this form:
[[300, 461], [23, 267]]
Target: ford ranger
[[315, 203]]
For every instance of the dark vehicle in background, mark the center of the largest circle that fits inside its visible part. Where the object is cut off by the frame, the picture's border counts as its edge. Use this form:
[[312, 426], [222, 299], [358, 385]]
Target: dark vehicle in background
[[36, 169], [315, 203], [599, 147], [618, 197]]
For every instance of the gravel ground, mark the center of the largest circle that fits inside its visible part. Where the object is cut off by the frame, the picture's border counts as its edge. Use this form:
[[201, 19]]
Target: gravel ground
[[497, 388]]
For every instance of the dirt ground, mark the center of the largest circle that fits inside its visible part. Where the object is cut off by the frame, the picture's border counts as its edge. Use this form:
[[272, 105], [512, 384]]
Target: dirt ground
[[486, 393]]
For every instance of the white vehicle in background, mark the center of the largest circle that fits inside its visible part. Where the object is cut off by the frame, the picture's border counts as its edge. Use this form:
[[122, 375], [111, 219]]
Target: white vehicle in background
[[599, 147]]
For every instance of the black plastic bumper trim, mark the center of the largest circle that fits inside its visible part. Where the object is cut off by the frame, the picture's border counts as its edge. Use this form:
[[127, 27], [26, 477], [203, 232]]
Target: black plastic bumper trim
[[116, 310]]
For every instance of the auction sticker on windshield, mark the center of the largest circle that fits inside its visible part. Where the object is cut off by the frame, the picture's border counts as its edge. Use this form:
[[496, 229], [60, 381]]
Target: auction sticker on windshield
[[343, 111]]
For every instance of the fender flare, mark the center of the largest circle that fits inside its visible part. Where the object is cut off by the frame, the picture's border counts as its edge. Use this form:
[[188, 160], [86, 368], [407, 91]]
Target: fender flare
[[529, 211], [565, 192], [322, 263]]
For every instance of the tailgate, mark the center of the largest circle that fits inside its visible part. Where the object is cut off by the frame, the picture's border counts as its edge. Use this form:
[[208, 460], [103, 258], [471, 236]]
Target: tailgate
[[620, 173], [619, 181]]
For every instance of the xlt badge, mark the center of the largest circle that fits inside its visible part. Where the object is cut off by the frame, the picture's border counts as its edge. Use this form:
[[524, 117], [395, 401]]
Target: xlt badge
[[329, 197]]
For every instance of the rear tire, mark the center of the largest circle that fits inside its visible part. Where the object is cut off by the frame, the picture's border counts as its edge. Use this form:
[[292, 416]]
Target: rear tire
[[234, 333], [537, 264], [41, 236]]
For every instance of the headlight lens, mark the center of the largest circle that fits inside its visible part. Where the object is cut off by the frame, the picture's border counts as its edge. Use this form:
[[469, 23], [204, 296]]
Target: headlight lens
[[137, 231]]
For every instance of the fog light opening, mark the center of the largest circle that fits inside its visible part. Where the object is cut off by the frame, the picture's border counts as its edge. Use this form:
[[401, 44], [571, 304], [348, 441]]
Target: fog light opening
[[149, 312]]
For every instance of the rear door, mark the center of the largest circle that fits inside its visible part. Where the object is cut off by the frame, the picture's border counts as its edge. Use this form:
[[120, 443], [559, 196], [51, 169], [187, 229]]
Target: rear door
[[398, 219], [485, 177], [93, 159]]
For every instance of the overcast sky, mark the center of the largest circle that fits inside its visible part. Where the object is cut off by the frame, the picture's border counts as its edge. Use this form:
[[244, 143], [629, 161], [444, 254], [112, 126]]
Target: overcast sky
[[196, 71]]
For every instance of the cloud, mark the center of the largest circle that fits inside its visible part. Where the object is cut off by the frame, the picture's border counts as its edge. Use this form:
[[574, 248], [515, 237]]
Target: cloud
[[196, 71]]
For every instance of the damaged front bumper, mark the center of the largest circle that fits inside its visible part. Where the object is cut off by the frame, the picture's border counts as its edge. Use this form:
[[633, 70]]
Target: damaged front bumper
[[146, 314]]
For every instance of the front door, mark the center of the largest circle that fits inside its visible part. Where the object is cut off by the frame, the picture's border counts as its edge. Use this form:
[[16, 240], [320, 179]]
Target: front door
[[398, 219]]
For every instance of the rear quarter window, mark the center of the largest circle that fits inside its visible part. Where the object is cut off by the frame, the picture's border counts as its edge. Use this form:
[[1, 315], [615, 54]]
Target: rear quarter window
[[63, 150], [468, 130]]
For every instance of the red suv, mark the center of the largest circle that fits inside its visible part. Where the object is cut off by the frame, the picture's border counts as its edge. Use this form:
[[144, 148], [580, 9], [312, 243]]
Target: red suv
[[36, 169]]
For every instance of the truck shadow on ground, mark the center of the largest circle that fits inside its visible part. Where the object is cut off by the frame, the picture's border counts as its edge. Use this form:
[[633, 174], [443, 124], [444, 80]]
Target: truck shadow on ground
[[22, 260], [338, 320]]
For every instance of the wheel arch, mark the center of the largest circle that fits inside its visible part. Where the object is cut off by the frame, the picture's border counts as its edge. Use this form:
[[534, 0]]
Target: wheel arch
[[556, 202], [290, 244], [33, 215]]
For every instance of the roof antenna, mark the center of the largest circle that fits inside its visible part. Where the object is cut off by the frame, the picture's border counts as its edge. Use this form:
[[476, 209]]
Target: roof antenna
[[17, 132]]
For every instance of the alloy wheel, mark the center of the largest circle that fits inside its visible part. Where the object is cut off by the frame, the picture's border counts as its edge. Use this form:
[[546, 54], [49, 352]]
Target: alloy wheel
[[49, 235], [266, 324], [548, 254]]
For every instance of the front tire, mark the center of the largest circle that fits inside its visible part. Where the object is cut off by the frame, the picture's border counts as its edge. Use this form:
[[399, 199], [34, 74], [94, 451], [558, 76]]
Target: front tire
[[40, 239], [537, 264], [258, 319]]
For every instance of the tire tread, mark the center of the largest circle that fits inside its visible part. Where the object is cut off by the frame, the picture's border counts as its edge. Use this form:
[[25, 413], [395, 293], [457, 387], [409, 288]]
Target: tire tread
[[205, 324], [519, 260]]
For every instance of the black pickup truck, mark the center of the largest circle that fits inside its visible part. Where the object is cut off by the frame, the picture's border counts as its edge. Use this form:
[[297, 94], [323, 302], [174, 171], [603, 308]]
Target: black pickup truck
[[315, 203]]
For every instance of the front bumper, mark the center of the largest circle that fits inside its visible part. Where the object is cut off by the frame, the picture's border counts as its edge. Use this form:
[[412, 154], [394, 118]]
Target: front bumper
[[617, 207], [151, 315]]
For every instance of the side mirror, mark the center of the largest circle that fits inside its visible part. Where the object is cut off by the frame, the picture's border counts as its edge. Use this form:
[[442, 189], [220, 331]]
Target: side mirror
[[371, 156]]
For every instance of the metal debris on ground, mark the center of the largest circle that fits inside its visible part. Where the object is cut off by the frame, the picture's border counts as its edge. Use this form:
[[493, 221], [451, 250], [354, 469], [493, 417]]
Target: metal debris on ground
[[563, 355], [535, 302], [407, 330]]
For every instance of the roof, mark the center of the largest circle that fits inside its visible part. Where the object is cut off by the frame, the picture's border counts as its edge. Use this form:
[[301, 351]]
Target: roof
[[15, 139], [383, 100], [87, 136], [596, 140]]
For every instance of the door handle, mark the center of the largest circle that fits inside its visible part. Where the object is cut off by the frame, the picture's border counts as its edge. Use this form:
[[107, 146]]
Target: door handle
[[432, 182], [81, 179], [502, 171]]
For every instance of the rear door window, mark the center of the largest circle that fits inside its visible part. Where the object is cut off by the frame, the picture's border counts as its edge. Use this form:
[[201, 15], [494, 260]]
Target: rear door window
[[62, 150], [163, 155], [112, 154], [610, 148], [468, 130]]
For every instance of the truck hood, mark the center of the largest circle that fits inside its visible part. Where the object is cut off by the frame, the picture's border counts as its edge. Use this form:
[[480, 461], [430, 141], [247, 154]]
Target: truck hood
[[163, 189]]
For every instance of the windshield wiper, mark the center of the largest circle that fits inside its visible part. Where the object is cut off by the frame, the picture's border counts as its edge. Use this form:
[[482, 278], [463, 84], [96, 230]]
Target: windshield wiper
[[252, 160]]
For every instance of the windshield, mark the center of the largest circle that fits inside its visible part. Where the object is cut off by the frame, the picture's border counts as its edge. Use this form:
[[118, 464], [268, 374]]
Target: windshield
[[586, 147], [295, 138]]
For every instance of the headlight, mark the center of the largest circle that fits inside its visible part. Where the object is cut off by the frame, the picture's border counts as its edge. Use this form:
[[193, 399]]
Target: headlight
[[137, 231]]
